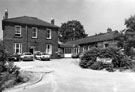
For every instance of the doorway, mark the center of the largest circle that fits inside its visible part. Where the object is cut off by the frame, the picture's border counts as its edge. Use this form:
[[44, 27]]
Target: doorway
[[31, 50]]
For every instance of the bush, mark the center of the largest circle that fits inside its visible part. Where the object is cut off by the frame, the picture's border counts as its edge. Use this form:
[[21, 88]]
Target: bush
[[8, 71], [96, 66], [89, 59]]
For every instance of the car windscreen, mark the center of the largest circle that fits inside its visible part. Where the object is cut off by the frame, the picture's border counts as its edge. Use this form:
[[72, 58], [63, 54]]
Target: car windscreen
[[27, 54], [38, 53], [43, 53]]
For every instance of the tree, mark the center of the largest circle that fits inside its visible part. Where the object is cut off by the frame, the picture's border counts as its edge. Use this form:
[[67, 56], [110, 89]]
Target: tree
[[72, 30], [126, 37], [121, 37], [130, 23]]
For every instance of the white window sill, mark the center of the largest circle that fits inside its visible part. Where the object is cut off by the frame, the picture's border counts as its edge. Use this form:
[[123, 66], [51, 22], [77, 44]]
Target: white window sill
[[49, 38], [34, 37]]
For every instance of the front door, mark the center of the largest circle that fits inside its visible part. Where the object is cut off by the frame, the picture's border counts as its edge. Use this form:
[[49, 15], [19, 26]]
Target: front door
[[31, 50]]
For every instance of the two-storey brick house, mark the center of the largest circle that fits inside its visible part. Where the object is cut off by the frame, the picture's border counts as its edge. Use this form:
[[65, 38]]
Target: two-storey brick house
[[29, 34]]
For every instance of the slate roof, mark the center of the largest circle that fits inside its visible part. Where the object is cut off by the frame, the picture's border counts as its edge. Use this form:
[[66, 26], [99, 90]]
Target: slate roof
[[66, 45], [30, 21], [95, 38]]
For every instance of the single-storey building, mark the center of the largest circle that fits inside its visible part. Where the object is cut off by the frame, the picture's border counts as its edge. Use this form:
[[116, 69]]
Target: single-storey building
[[102, 40]]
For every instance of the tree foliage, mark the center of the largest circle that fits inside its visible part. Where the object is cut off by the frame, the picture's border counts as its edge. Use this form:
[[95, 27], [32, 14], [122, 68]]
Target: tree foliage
[[71, 30], [126, 39], [130, 23]]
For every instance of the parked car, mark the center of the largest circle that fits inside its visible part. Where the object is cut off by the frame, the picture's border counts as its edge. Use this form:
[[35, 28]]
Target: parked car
[[14, 57], [45, 56], [27, 56], [75, 55], [37, 55]]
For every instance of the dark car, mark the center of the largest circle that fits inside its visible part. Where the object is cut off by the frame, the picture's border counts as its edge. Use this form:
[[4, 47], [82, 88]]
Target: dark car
[[75, 55], [14, 57]]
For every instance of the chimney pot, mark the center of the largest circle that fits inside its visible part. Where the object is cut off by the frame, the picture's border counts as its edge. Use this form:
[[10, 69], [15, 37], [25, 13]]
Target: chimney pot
[[52, 21], [109, 30], [6, 14]]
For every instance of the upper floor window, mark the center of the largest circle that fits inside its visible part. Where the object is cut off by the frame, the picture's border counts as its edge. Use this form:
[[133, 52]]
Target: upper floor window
[[18, 30], [48, 36], [34, 32]]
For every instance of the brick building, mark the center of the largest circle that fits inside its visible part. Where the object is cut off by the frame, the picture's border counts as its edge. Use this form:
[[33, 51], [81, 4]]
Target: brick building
[[29, 34]]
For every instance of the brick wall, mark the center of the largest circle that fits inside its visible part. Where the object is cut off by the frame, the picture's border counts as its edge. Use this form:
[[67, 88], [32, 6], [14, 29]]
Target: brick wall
[[40, 42]]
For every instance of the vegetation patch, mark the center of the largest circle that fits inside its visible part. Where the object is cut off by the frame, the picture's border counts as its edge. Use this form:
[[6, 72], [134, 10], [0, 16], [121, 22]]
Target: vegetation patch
[[10, 80], [106, 58], [10, 74]]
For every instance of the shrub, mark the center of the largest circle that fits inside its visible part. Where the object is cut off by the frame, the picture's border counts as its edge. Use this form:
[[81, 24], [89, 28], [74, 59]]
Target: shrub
[[8, 71], [89, 59], [97, 66]]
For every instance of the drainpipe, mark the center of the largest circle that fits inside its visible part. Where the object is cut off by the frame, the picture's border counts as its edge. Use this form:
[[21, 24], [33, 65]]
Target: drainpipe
[[27, 37]]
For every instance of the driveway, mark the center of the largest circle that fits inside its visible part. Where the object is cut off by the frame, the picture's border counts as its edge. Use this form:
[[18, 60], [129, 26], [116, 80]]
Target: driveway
[[67, 76]]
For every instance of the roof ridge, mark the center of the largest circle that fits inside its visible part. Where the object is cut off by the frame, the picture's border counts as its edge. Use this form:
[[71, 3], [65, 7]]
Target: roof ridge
[[93, 37], [30, 20]]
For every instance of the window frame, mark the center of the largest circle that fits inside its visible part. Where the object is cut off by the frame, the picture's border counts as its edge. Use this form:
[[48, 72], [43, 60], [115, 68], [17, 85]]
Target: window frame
[[49, 51], [67, 50], [16, 31], [50, 33], [36, 32], [19, 48]]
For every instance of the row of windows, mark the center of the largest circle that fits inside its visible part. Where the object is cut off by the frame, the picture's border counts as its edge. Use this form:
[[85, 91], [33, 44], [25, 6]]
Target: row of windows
[[68, 50], [18, 48], [71, 50], [18, 32], [85, 48]]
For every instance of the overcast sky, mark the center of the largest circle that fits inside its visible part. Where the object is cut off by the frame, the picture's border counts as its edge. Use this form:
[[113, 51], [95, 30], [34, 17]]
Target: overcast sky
[[95, 15]]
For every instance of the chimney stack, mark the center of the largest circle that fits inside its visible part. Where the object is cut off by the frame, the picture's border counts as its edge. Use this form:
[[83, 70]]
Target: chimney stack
[[6, 14], [109, 30], [52, 21]]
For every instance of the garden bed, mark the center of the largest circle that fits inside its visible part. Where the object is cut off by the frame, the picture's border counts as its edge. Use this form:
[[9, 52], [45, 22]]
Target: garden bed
[[10, 81]]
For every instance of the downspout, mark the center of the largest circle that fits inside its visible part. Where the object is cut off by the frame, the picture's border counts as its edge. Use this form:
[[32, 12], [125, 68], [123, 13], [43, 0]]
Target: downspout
[[27, 37]]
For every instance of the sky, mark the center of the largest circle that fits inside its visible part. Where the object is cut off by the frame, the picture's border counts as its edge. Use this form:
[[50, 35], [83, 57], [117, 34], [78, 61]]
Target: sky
[[95, 15]]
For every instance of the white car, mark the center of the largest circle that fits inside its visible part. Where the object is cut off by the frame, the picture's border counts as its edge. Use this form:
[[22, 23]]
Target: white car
[[45, 56], [27, 56]]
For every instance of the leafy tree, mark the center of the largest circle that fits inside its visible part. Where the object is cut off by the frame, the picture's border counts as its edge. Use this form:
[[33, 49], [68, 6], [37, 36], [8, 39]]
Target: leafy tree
[[130, 32], [130, 23], [71, 30], [126, 36], [121, 37]]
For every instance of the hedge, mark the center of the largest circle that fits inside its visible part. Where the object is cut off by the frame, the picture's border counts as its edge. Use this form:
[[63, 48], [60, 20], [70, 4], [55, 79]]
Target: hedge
[[119, 60]]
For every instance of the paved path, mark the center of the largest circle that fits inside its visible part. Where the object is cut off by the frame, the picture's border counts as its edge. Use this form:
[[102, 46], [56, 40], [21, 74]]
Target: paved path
[[66, 76]]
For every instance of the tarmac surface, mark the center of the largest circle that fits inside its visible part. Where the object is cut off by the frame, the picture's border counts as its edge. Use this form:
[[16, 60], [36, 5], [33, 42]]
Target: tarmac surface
[[64, 75]]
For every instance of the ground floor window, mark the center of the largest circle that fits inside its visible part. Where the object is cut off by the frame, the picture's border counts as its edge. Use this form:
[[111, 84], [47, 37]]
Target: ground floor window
[[85, 48], [17, 48], [48, 48], [67, 50], [76, 50]]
